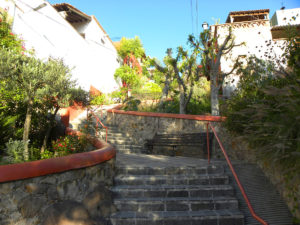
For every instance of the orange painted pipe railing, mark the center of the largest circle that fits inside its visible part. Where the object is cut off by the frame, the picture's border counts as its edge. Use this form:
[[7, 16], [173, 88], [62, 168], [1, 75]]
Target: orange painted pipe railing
[[199, 118], [254, 215], [43, 167], [99, 121]]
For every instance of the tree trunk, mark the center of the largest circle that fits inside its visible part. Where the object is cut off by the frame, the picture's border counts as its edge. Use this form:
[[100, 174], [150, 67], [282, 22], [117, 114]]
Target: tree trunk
[[52, 118], [182, 103], [165, 92], [27, 129], [214, 90]]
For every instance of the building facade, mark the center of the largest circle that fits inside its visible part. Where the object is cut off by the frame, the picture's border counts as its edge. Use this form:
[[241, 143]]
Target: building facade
[[253, 28], [62, 31]]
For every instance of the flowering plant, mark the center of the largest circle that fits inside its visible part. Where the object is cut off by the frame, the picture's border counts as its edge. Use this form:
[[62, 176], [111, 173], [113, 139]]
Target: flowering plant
[[7, 38], [68, 145]]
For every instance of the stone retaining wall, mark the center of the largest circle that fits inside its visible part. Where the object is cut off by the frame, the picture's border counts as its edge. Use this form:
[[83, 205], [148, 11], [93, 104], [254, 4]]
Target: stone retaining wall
[[73, 189], [142, 126], [42, 200]]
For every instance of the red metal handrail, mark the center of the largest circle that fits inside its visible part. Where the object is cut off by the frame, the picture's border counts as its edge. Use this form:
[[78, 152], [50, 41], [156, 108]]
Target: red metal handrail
[[99, 121], [254, 215]]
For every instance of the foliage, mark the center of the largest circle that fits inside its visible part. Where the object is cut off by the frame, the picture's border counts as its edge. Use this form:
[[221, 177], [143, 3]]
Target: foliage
[[151, 87], [131, 104], [8, 40], [79, 95], [68, 144], [47, 154], [265, 112], [14, 150], [98, 100], [43, 86], [211, 50], [184, 69], [200, 101], [128, 75], [131, 47], [117, 96]]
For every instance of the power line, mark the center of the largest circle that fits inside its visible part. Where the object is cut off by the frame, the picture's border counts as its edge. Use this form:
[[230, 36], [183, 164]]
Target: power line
[[197, 17], [192, 16]]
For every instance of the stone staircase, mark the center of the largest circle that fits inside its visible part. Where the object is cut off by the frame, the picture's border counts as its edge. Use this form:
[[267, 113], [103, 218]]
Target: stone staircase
[[163, 190], [182, 195], [121, 141]]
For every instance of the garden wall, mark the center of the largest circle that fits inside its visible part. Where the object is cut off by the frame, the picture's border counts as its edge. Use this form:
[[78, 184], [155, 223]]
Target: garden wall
[[238, 149], [142, 126], [61, 190]]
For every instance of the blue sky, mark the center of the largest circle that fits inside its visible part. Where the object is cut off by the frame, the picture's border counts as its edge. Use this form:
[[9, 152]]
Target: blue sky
[[163, 24]]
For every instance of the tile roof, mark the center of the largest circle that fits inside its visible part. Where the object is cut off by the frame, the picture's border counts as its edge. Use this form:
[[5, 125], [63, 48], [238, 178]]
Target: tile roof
[[80, 17], [246, 13], [74, 15]]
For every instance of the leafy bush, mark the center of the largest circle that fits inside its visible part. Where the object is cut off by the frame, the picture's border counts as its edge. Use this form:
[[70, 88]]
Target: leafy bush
[[131, 104], [265, 112], [68, 144], [14, 150], [98, 100], [8, 40], [47, 154]]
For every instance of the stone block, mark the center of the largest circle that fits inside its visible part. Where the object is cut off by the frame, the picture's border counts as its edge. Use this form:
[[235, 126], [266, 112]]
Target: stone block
[[35, 188], [67, 213], [99, 202], [30, 206], [6, 188]]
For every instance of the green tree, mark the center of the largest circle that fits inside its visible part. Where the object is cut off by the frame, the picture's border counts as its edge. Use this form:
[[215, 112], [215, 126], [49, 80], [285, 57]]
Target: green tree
[[186, 72], [211, 50], [58, 92], [128, 76], [130, 47], [168, 73], [38, 80]]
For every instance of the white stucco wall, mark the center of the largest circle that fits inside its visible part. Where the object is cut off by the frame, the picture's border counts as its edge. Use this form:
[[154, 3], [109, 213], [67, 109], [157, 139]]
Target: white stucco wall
[[286, 17], [49, 34], [256, 35]]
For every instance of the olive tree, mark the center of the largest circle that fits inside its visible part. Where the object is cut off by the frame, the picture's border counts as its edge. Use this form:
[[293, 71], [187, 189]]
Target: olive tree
[[38, 80]]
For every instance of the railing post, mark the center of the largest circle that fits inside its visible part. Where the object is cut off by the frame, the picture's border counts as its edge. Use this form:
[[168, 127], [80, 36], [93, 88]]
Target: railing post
[[106, 135], [207, 143]]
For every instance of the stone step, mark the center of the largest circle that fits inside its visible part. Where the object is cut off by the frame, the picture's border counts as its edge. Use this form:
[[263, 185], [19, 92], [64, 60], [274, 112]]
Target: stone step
[[166, 191], [129, 151], [203, 217], [119, 141], [115, 134], [175, 204], [171, 180], [205, 170]]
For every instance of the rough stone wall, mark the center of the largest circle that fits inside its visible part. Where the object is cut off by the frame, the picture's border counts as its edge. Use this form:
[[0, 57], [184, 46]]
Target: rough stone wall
[[142, 128], [78, 195]]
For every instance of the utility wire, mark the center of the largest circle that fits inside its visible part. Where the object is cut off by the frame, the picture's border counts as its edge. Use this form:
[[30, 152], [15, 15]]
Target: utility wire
[[196, 17], [192, 16]]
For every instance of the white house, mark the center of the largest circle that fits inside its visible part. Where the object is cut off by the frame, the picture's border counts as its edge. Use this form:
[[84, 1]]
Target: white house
[[254, 29], [62, 31]]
